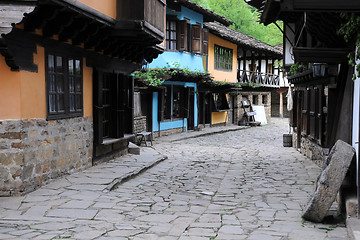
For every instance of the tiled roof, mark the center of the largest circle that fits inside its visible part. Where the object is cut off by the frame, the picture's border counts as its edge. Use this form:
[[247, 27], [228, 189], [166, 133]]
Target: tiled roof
[[242, 39]]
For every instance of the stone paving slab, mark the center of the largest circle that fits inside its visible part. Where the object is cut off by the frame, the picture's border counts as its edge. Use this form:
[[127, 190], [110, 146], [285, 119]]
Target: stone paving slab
[[230, 185]]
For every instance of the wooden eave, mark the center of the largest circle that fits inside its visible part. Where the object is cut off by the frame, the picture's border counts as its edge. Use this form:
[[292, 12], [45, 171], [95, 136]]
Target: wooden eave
[[307, 78], [82, 27], [321, 5], [321, 55]]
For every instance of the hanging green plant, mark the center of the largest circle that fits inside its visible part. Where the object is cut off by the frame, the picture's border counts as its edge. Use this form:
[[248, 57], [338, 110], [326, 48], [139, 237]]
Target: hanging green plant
[[350, 31], [157, 76]]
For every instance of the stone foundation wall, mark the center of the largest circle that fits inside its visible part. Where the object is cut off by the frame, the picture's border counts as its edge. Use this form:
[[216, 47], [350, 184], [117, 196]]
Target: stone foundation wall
[[140, 124], [33, 151], [168, 132], [256, 98], [311, 150]]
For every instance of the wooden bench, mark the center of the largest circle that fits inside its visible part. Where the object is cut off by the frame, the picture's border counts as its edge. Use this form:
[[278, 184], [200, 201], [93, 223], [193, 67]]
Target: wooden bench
[[143, 136]]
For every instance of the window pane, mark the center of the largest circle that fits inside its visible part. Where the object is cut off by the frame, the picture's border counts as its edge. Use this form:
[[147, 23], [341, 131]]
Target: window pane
[[71, 66], [72, 102], [173, 35], [173, 25], [52, 102], [60, 83], [51, 63], [78, 67], [71, 85], [61, 102], [51, 83], [173, 45], [78, 102], [59, 64], [78, 85]]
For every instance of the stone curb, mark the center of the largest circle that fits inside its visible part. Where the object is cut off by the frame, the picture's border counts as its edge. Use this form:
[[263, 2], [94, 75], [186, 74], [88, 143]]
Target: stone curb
[[353, 228], [209, 133], [126, 177]]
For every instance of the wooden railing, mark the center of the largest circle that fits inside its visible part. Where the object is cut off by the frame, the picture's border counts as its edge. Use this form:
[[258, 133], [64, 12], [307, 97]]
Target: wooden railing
[[258, 79]]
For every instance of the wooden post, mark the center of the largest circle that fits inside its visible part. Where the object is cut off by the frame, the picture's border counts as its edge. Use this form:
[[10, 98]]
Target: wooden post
[[244, 59], [266, 64], [281, 105]]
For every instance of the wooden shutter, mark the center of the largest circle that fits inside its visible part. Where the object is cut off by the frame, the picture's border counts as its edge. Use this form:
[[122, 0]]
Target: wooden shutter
[[182, 35], [205, 42], [196, 38], [98, 107]]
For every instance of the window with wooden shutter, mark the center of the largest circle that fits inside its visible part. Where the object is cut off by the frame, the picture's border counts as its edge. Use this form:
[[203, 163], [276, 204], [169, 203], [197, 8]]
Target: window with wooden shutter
[[196, 38], [220, 102], [183, 35], [205, 45], [171, 35]]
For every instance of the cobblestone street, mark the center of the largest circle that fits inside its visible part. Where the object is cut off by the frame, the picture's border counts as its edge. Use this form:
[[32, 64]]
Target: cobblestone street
[[237, 185]]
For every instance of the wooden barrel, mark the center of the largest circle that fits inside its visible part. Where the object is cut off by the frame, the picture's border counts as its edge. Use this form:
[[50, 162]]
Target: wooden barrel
[[287, 140]]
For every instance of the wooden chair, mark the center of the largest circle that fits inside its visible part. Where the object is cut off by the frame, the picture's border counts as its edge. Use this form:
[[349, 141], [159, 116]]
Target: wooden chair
[[249, 114], [143, 136]]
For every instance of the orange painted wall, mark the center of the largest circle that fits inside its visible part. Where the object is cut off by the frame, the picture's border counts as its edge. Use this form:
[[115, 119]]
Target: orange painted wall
[[33, 93], [107, 7], [10, 107], [23, 94], [218, 74], [87, 89], [219, 117]]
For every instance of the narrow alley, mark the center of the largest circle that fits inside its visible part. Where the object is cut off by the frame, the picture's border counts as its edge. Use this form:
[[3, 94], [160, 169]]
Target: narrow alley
[[237, 185]]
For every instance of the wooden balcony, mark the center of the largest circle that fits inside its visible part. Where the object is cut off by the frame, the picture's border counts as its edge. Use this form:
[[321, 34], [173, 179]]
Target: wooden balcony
[[250, 78], [144, 17]]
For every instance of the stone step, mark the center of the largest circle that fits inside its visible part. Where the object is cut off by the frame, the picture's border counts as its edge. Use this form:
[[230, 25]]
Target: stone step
[[133, 149]]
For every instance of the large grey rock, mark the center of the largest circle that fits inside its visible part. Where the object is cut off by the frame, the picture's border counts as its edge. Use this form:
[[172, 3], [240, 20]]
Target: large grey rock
[[329, 181]]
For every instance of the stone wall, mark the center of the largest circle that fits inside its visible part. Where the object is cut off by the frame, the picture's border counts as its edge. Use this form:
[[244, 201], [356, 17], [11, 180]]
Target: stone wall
[[311, 150], [139, 124], [256, 98], [33, 151], [168, 132]]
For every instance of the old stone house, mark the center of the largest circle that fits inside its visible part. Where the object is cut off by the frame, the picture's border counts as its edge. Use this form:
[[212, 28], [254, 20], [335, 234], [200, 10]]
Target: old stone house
[[66, 100]]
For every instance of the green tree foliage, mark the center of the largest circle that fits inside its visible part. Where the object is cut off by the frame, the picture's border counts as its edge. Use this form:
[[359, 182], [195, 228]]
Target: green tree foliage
[[245, 19]]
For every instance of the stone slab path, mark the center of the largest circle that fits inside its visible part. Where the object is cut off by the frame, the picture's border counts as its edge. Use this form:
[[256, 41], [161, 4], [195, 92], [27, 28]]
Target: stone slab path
[[236, 185]]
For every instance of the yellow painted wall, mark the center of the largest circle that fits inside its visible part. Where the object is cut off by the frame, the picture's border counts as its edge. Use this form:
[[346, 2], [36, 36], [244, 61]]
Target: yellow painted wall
[[219, 117], [10, 107], [107, 7], [218, 74], [33, 93], [87, 89]]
